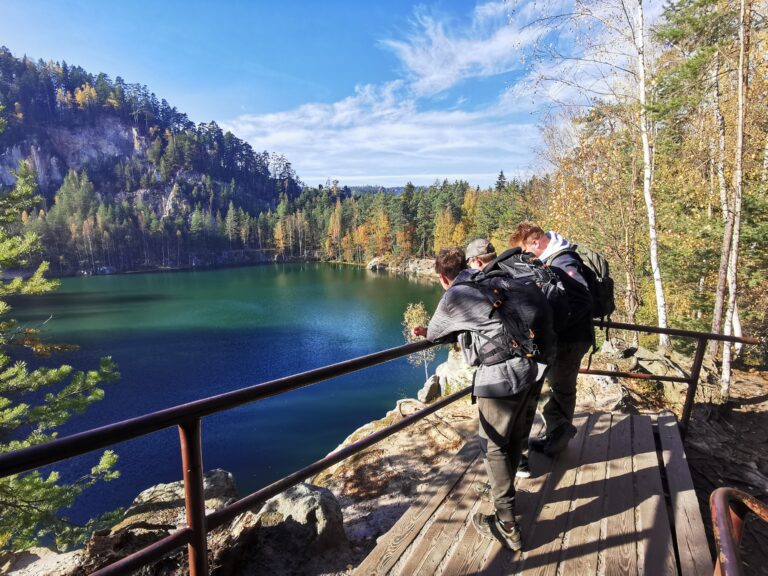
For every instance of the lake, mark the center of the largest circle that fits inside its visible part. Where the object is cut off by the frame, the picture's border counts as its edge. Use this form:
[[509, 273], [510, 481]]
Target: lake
[[178, 337]]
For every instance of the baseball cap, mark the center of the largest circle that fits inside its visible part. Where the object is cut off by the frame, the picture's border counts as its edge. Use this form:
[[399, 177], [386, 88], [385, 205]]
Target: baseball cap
[[479, 247]]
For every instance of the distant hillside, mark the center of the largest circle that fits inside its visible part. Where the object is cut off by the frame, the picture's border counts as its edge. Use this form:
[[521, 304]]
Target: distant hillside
[[147, 165]]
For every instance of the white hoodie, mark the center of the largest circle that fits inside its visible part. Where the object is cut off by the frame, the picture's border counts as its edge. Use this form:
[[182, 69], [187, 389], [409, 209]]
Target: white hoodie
[[556, 243]]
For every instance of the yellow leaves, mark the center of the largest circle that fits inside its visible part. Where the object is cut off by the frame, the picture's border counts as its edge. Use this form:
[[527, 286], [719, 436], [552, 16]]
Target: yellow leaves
[[459, 235], [444, 229], [361, 238], [404, 241], [381, 232], [64, 98], [279, 235], [85, 96]]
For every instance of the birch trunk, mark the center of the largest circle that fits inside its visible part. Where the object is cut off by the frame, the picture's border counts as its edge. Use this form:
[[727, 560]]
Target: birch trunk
[[661, 304], [722, 275], [733, 260]]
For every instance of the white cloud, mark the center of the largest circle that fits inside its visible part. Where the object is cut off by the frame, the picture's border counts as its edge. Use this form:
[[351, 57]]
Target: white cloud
[[380, 136], [436, 57]]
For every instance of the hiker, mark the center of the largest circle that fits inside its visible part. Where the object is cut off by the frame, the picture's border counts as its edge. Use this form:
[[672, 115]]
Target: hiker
[[574, 341], [480, 253], [505, 376]]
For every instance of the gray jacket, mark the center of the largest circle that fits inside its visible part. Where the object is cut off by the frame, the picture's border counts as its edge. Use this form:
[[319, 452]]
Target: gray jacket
[[465, 311]]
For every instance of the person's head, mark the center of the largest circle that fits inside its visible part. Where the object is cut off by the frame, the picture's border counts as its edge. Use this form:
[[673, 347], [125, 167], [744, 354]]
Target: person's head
[[448, 264], [530, 237], [479, 253]]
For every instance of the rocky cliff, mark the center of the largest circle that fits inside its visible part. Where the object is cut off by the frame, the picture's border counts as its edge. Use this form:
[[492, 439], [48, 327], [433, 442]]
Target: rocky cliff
[[53, 150]]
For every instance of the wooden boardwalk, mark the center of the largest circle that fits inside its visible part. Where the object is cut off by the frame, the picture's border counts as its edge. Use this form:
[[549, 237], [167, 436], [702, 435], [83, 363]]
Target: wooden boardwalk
[[617, 501]]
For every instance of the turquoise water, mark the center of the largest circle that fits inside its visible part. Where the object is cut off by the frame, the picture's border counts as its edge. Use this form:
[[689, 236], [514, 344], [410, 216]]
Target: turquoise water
[[180, 337]]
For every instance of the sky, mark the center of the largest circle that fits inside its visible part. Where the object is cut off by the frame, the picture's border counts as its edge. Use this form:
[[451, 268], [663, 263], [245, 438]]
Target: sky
[[377, 93]]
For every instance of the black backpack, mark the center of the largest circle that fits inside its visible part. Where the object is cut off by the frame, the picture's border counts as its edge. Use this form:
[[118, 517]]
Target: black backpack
[[524, 315], [597, 274], [526, 267]]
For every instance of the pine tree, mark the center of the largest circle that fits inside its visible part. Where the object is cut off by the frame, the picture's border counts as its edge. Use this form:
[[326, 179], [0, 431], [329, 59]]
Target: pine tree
[[31, 502]]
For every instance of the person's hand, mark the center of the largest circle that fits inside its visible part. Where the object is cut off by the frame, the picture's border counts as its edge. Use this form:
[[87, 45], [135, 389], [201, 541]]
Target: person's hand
[[419, 331]]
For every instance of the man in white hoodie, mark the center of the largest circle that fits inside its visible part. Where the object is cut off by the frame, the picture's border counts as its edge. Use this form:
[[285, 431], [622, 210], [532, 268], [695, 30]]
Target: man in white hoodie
[[573, 340]]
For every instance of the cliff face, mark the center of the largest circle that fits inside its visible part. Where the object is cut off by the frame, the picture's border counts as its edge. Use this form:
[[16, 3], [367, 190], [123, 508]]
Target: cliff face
[[52, 151]]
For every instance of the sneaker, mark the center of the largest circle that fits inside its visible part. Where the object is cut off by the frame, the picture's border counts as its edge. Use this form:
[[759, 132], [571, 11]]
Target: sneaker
[[489, 526], [483, 489], [523, 469], [553, 442]]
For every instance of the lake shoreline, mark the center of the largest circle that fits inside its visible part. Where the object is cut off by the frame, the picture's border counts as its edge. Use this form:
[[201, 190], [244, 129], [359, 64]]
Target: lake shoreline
[[423, 267]]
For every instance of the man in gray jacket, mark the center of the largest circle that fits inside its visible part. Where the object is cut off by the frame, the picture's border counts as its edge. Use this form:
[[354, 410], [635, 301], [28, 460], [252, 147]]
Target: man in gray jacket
[[503, 382]]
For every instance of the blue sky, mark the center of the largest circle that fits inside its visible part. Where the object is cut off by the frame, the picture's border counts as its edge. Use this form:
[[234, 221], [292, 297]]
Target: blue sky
[[363, 92]]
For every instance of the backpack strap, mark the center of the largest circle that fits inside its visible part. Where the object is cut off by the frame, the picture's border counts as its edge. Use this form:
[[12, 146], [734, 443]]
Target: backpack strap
[[521, 344]]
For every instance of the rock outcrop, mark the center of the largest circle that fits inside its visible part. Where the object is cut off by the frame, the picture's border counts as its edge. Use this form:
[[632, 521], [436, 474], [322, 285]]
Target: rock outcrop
[[52, 151], [422, 267], [300, 530]]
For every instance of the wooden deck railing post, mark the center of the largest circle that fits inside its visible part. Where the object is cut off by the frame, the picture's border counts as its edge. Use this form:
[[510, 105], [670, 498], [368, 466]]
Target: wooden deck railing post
[[190, 436], [693, 383]]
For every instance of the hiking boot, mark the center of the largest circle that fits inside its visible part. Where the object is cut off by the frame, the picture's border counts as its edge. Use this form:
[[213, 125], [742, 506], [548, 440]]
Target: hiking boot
[[483, 489], [523, 469], [489, 526], [553, 442]]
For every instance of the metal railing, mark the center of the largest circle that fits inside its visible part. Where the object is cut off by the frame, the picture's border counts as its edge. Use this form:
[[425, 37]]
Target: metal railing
[[698, 360], [729, 507], [188, 419]]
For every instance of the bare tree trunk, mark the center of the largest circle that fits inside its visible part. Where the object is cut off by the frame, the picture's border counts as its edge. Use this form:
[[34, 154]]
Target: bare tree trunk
[[733, 260], [764, 174], [722, 275], [661, 302]]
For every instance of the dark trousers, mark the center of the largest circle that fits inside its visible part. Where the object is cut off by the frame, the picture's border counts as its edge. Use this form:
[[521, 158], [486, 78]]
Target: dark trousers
[[562, 380], [530, 412], [502, 426]]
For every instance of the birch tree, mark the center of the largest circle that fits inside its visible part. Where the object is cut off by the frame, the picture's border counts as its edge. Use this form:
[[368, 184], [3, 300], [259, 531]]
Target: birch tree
[[738, 182], [597, 52]]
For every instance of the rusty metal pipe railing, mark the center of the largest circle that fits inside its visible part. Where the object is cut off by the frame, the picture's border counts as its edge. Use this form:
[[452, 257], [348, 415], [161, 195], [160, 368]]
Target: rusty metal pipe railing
[[698, 360], [676, 332], [729, 507], [148, 554], [222, 516], [190, 436]]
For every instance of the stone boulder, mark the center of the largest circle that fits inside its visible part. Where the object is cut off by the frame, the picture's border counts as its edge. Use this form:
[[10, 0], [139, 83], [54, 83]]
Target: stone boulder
[[454, 374], [294, 532], [38, 562], [154, 514], [377, 264], [421, 267], [289, 532], [430, 391]]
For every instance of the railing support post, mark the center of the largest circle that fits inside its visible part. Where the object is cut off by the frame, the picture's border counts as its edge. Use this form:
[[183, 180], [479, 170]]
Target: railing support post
[[693, 383], [194, 497]]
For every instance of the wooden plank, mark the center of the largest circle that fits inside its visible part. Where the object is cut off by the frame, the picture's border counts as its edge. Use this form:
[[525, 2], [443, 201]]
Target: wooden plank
[[692, 548], [472, 551], [582, 537], [425, 556], [656, 554], [543, 527], [618, 543], [400, 537]]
